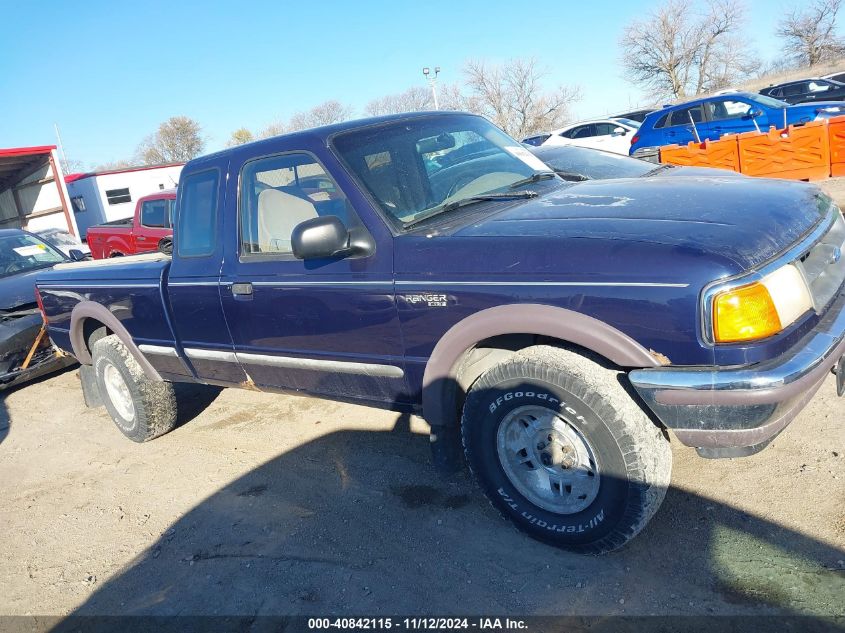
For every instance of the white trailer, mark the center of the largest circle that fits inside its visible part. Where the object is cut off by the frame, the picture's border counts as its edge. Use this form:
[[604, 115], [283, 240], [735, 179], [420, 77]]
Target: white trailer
[[33, 194], [106, 196]]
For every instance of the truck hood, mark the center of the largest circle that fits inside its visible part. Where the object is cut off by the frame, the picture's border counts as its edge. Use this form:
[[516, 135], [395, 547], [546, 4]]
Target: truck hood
[[744, 220], [18, 290]]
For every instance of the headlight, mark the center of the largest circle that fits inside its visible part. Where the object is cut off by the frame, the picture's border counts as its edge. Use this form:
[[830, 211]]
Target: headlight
[[761, 308]]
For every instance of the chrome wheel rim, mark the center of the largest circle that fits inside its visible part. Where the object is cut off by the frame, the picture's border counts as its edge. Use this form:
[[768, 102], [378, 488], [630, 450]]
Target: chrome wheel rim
[[548, 460], [118, 393]]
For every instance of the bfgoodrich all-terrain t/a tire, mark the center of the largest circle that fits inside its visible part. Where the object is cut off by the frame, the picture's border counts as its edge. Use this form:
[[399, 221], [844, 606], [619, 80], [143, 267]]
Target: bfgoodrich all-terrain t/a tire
[[563, 451], [141, 408]]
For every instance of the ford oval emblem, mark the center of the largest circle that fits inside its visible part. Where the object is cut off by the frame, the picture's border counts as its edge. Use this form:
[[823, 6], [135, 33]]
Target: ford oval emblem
[[836, 255]]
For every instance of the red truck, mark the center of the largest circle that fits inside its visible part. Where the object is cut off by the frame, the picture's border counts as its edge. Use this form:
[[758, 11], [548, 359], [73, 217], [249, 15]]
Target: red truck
[[139, 234]]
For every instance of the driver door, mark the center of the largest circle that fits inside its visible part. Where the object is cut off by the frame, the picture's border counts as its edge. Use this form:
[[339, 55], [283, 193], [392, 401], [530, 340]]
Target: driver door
[[327, 326]]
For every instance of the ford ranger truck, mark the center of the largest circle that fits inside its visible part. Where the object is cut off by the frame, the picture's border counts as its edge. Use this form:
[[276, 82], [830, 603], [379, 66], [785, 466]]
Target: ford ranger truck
[[141, 233], [556, 334]]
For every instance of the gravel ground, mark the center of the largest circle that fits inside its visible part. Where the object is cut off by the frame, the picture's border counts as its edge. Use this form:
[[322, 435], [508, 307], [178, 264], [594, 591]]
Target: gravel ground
[[267, 504]]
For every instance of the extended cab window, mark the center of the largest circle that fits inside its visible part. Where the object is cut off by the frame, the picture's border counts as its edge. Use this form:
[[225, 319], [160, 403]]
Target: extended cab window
[[196, 233], [279, 192], [156, 214]]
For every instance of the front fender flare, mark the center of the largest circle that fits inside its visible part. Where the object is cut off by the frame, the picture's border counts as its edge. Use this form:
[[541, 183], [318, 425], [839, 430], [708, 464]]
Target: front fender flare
[[440, 385], [91, 310]]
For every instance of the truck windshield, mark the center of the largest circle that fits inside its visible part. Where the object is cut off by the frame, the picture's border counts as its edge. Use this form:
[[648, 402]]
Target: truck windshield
[[20, 253], [415, 167]]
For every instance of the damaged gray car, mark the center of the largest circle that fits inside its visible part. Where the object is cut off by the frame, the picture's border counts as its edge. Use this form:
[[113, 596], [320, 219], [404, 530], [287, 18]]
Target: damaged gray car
[[25, 348]]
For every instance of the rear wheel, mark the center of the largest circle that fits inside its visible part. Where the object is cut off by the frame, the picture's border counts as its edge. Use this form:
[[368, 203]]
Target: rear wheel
[[141, 408], [562, 450]]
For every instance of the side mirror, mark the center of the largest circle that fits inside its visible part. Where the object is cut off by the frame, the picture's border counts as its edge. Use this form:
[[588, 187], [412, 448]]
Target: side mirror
[[77, 255], [619, 131], [165, 246], [755, 113], [320, 237]]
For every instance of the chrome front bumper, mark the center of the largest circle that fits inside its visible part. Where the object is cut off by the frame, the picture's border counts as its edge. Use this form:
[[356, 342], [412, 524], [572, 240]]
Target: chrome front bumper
[[732, 412]]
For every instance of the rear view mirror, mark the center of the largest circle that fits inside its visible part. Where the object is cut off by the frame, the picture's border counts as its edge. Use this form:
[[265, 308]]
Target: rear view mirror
[[77, 255], [436, 143], [619, 131]]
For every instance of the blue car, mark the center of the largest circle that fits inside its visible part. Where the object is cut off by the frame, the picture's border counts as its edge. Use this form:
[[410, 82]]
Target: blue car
[[712, 117]]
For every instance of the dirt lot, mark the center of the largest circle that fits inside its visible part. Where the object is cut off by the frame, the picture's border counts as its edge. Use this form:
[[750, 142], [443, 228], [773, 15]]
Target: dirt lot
[[267, 504]]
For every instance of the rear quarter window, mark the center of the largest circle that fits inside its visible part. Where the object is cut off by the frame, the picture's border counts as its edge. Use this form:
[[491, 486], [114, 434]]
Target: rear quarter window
[[196, 231], [661, 122]]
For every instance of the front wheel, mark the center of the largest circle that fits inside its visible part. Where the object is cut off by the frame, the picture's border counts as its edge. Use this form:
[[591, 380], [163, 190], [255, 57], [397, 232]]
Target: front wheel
[[561, 449], [141, 408]]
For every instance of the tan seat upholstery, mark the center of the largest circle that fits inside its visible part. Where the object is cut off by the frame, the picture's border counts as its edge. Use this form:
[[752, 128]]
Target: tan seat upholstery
[[278, 214]]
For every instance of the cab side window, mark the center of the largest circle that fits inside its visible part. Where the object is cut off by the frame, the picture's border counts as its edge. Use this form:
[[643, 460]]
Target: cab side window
[[279, 192], [155, 214]]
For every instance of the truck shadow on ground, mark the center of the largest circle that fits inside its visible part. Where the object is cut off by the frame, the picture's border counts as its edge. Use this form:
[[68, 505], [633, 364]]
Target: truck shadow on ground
[[357, 522]]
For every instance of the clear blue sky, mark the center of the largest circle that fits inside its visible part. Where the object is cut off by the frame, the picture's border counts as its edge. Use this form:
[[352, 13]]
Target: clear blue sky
[[109, 72]]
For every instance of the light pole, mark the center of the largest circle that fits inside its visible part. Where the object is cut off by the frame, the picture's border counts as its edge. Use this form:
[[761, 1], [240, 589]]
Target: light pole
[[432, 81]]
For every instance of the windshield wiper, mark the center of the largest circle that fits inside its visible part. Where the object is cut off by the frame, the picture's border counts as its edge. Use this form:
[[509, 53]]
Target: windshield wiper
[[536, 177], [651, 172], [572, 176], [457, 204]]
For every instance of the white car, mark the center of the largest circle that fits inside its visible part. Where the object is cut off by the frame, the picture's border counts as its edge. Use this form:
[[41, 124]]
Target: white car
[[611, 135], [63, 240]]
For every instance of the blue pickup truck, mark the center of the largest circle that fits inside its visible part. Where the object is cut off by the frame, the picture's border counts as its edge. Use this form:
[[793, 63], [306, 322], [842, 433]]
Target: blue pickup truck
[[556, 334]]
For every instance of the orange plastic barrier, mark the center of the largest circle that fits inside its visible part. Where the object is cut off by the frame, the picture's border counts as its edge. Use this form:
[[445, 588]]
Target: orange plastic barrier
[[797, 152], [723, 154], [836, 139]]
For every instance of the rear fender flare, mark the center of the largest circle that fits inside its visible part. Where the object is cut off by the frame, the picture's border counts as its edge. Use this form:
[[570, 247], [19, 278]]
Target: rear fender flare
[[91, 310], [440, 380]]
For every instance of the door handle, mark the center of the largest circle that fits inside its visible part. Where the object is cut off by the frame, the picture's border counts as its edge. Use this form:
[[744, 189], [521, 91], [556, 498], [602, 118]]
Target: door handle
[[141, 238], [242, 289]]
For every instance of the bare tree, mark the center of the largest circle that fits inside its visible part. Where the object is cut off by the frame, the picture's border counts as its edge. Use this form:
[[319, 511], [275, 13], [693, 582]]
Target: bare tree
[[418, 98], [680, 50], [411, 100], [116, 164], [273, 129], [326, 113], [810, 35], [239, 137], [512, 97], [71, 166], [177, 140]]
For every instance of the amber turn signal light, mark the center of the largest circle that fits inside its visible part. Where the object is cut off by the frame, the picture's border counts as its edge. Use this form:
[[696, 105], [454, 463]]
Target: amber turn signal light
[[745, 314]]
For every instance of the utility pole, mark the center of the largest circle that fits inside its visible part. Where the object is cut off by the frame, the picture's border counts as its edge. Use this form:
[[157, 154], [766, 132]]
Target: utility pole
[[432, 81], [61, 147]]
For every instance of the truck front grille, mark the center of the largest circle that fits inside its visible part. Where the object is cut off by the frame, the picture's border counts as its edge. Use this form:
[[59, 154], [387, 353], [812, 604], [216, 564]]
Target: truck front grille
[[824, 265]]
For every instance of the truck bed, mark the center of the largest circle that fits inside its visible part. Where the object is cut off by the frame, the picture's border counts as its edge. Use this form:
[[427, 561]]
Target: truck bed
[[114, 224]]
